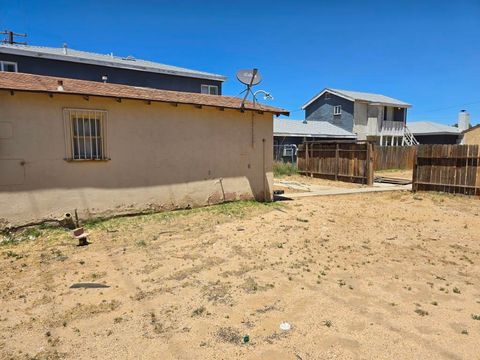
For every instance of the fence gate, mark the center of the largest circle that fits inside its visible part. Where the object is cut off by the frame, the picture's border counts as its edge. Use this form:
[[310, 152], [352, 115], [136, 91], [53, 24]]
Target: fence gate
[[447, 168], [394, 157], [352, 162]]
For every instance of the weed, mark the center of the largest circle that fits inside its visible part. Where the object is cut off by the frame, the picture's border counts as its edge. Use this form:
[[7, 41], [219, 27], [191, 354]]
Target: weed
[[328, 323], [31, 233], [456, 290], [434, 303], [198, 311], [141, 243], [476, 316], [230, 335], [421, 312], [284, 169], [464, 332], [12, 254]]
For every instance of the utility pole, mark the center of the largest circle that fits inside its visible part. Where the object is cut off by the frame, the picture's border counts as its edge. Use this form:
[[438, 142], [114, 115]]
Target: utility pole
[[10, 38]]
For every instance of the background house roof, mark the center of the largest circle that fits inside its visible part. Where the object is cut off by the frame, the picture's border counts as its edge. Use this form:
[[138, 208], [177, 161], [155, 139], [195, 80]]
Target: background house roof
[[129, 62], [431, 128], [49, 84], [360, 96], [299, 128], [474, 127]]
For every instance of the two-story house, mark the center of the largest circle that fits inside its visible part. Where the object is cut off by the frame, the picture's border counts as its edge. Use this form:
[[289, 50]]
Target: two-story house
[[68, 63], [372, 117]]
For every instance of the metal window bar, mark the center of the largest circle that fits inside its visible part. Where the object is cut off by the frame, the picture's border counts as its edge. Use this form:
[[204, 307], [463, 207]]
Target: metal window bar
[[96, 136], [87, 140], [84, 150]]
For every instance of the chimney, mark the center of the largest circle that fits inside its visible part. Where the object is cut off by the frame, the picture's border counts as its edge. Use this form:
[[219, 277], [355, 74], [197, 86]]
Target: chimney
[[463, 120], [60, 85], [65, 49]]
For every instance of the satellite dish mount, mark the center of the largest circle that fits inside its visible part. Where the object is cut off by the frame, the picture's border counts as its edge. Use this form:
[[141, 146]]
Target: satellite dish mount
[[249, 77]]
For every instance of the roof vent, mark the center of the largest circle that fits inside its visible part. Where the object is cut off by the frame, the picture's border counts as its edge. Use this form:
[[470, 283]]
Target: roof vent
[[60, 85], [65, 49], [129, 58]]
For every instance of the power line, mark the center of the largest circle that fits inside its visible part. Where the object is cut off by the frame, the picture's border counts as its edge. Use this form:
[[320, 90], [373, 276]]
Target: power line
[[450, 107], [10, 37]]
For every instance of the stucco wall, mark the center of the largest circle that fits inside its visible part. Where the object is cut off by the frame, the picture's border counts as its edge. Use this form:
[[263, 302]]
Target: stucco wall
[[162, 157], [322, 109], [68, 69], [472, 137]]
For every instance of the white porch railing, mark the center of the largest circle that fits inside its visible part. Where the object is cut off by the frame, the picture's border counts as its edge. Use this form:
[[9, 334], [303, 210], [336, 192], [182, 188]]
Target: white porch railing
[[392, 128]]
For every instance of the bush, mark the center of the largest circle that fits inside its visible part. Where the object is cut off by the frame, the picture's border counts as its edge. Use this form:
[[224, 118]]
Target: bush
[[282, 169]]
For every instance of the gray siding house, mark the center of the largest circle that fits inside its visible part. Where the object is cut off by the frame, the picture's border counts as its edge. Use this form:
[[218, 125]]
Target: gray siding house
[[69, 63], [371, 117], [288, 134]]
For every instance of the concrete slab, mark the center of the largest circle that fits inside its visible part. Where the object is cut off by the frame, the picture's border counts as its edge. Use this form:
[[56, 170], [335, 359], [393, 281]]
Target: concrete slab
[[319, 190]]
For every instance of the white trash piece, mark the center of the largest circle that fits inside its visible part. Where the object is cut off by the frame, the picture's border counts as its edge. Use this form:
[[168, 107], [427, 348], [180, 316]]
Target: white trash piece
[[285, 326]]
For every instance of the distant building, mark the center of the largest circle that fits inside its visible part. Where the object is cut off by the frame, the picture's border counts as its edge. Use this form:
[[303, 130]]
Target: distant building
[[69, 63], [288, 134], [472, 136], [427, 132], [371, 117]]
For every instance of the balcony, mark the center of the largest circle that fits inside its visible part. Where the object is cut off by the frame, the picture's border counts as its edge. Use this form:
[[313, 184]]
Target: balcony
[[385, 128], [392, 128]]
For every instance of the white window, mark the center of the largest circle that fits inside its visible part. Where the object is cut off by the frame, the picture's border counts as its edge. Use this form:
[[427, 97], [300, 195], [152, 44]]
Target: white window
[[209, 89], [8, 66], [85, 134], [337, 110]]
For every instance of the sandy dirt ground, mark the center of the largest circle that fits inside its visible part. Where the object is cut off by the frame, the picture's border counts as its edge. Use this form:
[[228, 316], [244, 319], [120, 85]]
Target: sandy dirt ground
[[402, 174], [367, 276]]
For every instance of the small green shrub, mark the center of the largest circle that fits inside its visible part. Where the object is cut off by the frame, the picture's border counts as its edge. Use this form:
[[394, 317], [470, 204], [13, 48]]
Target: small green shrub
[[284, 169]]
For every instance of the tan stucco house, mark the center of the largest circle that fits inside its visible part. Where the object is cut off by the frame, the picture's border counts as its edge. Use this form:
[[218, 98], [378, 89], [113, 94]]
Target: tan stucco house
[[108, 149], [472, 136]]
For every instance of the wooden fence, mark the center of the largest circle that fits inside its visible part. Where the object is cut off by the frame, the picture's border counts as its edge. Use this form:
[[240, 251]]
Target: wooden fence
[[394, 157], [447, 168], [337, 161]]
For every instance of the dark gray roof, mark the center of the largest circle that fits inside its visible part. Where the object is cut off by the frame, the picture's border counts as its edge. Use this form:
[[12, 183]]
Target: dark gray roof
[[128, 62], [299, 128], [431, 128], [360, 96]]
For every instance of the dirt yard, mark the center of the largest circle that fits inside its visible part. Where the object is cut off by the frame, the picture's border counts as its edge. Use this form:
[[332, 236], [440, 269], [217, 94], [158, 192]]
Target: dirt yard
[[367, 276]]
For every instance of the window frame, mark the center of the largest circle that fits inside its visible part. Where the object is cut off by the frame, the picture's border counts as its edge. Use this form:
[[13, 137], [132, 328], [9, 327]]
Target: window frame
[[72, 146], [208, 87], [337, 110], [4, 62]]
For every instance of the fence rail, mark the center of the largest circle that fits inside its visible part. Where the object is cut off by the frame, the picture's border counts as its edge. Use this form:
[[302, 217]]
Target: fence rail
[[394, 157], [447, 168], [337, 161]]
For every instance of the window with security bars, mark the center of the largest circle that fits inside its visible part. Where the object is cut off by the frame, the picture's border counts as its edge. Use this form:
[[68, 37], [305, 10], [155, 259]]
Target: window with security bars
[[86, 135]]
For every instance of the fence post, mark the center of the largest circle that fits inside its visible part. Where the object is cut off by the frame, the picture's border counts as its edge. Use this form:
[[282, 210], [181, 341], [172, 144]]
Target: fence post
[[306, 157], [370, 164], [336, 161], [311, 155], [414, 175]]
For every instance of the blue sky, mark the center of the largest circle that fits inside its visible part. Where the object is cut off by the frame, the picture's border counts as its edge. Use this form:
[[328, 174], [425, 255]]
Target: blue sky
[[424, 52]]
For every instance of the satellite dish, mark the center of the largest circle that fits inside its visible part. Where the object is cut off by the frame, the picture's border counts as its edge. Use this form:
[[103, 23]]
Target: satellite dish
[[249, 77]]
